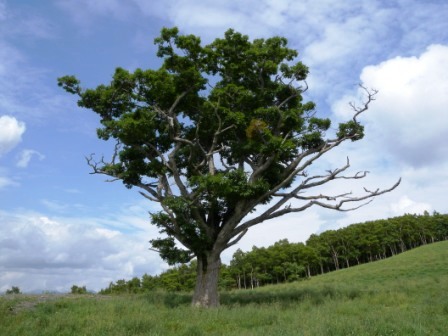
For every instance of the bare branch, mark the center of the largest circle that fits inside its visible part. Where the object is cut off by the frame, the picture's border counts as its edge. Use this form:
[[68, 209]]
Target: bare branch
[[370, 97], [159, 154], [116, 151], [237, 239], [308, 198], [273, 212], [148, 197], [177, 101], [182, 140], [95, 165], [112, 180]]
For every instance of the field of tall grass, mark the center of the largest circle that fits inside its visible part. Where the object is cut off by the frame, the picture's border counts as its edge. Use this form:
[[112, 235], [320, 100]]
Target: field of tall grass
[[403, 295]]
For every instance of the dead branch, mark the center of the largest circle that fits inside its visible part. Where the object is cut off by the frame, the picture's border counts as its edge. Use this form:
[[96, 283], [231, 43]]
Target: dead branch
[[370, 97], [275, 210]]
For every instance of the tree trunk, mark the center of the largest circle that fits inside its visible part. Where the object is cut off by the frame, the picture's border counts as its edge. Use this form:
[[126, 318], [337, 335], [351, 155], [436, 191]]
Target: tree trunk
[[206, 290], [252, 278]]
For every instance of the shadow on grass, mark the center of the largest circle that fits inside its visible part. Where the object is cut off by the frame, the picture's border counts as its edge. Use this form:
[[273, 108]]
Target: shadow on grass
[[255, 297], [287, 297]]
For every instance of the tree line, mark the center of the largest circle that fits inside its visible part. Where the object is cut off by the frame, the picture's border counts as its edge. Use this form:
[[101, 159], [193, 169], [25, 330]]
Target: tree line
[[286, 262]]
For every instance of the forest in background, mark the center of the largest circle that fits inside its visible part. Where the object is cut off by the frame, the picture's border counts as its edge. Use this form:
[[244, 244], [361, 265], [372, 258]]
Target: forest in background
[[321, 253]]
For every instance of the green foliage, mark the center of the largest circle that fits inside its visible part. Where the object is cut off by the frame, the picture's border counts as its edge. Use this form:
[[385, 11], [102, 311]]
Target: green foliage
[[180, 278], [13, 290], [235, 97], [216, 131], [332, 250], [78, 290], [351, 129], [167, 249]]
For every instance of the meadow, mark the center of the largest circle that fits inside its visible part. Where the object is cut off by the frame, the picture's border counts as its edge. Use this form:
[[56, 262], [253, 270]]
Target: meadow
[[403, 295]]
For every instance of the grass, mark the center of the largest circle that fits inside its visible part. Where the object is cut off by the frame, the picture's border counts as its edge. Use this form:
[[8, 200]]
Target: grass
[[403, 295]]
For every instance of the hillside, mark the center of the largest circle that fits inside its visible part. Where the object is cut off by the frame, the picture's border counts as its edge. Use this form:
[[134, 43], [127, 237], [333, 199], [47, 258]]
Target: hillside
[[425, 265], [403, 295], [427, 261]]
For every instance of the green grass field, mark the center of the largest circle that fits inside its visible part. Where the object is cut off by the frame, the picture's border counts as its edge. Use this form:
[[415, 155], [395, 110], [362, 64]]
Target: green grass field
[[403, 295]]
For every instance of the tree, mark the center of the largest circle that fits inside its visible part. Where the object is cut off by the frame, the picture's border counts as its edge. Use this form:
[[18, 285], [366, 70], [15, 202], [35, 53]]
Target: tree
[[13, 290], [213, 133], [78, 290]]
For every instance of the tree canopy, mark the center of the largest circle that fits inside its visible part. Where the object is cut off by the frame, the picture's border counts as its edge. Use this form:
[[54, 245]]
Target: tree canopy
[[213, 133]]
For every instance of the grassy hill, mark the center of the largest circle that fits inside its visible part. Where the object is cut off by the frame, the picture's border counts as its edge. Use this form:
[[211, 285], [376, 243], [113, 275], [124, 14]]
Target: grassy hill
[[403, 295]]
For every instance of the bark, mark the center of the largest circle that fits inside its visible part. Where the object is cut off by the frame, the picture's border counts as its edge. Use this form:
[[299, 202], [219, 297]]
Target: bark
[[206, 291], [335, 256], [252, 278]]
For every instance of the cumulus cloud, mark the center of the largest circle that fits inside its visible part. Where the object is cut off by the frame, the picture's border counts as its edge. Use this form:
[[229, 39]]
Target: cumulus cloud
[[409, 117], [38, 252], [26, 156], [405, 130], [11, 131], [334, 39], [406, 205]]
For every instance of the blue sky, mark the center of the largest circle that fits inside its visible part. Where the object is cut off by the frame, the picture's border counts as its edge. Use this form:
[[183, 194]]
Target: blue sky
[[60, 225]]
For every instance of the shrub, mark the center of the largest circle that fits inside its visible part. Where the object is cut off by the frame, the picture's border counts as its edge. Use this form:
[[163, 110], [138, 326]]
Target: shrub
[[13, 290], [78, 290]]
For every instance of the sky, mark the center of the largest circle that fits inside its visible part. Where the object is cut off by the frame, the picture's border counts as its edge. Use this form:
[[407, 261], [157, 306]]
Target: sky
[[61, 225]]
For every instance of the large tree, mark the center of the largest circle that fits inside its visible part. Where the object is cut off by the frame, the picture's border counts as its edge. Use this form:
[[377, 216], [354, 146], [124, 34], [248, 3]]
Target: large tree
[[215, 132]]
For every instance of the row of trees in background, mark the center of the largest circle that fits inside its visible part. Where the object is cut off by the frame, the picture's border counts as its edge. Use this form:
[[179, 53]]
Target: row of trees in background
[[336, 249], [285, 261]]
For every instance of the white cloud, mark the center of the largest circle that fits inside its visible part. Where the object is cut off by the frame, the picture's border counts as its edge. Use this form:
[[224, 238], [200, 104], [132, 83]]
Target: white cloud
[[5, 181], [406, 128], [25, 157], [334, 39], [39, 252], [409, 117], [337, 39], [406, 205], [11, 131]]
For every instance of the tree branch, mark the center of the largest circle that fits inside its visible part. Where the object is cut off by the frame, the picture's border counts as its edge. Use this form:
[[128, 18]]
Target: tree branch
[[237, 239], [370, 97], [273, 211]]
